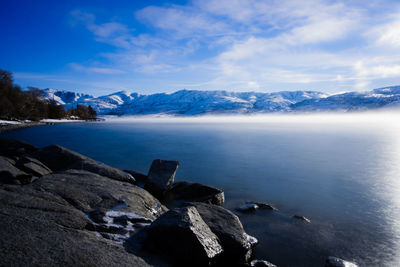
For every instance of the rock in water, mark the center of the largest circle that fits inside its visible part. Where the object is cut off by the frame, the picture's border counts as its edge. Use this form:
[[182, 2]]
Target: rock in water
[[161, 175], [59, 158], [195, 192], [337, 262], [301, 218], [227, 227], [182, 234]]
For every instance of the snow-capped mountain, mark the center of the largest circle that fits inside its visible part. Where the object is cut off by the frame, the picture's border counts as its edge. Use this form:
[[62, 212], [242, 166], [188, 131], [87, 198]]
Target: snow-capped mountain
[[192, 102]]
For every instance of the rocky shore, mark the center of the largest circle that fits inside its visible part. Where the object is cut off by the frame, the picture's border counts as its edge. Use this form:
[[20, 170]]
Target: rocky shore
[[60, 208]]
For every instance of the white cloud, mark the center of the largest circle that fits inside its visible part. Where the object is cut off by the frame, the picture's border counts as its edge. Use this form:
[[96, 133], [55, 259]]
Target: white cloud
[[100, 70]]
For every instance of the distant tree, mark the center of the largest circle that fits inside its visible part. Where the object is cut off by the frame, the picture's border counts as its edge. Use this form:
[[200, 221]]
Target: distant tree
[[55, 111], [92, 113]]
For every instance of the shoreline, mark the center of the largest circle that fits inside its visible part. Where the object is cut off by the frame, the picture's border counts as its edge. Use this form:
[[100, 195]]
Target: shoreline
[[7, 127]]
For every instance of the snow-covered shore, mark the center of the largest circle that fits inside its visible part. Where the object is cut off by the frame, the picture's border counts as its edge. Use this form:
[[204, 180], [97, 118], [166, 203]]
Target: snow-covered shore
[[8, 125]]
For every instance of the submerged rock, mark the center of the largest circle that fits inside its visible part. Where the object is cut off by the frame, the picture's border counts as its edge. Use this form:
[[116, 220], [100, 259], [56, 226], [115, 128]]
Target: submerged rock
[[253, 206], [195, 192], [337, 262], [161, 175], [261, 263], [302, 218], [59, 158], [227, 227], [183, 234]]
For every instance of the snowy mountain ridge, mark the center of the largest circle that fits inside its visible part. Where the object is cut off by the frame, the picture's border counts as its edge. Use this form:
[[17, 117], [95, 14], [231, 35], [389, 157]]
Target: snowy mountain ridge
[[192, 102]]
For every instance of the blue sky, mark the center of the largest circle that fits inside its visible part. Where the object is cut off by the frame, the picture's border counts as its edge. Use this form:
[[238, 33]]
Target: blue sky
[[101, 47]]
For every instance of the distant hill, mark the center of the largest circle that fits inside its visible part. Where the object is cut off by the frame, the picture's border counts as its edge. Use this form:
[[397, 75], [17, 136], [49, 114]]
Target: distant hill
[[192, 102]]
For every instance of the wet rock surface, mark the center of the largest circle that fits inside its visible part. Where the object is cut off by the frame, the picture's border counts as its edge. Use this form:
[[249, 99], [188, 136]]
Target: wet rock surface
[[261, 263], [301, 218]]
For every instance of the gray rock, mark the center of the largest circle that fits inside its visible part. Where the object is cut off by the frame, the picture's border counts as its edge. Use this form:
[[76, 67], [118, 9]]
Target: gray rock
[[253, 206], [182, 234], [9, 174], [46, 223], [32, 166], [160, 176], [261, 263], [12, 147], [195, 192], [248, 207], [337, 262], [139, 177], [59, 158], [302, 218], [227, 227]]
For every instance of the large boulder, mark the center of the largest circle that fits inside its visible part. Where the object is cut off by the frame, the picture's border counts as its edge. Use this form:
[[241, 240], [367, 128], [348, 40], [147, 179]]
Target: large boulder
[[49, 223], [59, 158], [160, 176], [182, 234], [13, 147], [227, 227], [337, 262], [9, 174], [184, 191]]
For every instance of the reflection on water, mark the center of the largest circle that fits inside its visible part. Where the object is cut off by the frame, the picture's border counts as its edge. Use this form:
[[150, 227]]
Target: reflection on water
[[340, 171]]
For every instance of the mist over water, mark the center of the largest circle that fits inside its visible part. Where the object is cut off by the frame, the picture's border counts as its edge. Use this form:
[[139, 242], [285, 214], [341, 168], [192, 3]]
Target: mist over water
[[339, 170]]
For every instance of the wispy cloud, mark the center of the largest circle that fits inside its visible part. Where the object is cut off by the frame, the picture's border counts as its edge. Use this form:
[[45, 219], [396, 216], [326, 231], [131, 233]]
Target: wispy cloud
[[254, 44]]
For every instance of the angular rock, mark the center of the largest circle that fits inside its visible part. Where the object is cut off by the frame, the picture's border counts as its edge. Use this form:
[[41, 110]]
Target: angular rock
[[59, 158], [302, 218], [194, 192], [9, 174], [261, 263], [13, 147], [337, 262], [182, 234], [227, 227], [32, 166], [160, 176]]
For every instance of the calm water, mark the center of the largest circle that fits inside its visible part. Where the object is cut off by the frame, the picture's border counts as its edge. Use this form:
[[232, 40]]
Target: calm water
[[341, 172]]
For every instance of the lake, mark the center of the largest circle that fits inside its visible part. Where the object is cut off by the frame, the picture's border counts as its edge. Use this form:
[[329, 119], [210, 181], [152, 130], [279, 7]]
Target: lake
[[341, 171]]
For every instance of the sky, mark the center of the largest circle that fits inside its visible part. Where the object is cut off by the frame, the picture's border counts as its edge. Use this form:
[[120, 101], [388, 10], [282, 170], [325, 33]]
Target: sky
[[100, 47]]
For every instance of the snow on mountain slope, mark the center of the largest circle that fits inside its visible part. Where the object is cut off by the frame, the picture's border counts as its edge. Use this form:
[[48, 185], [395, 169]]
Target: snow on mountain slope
[[192, 102]]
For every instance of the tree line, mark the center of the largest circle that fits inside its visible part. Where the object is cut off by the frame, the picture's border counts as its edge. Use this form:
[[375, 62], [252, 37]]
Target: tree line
[[30, 104]]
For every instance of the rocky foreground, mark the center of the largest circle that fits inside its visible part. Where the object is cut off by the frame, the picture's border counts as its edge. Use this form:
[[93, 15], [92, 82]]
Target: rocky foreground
[[60, 208]]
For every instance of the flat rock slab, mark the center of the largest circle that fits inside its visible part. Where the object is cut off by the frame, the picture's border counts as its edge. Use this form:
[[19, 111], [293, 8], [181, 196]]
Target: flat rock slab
[[46, 223], [160, 176], [182, 234], [59, 158], [194, 192], [227, 227], [32, 166]]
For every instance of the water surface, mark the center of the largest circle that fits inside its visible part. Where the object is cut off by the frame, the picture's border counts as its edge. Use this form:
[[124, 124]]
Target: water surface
[[342, 172]]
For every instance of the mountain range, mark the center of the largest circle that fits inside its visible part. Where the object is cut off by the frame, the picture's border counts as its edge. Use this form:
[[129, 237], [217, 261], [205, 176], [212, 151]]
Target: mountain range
[[193, 102]]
